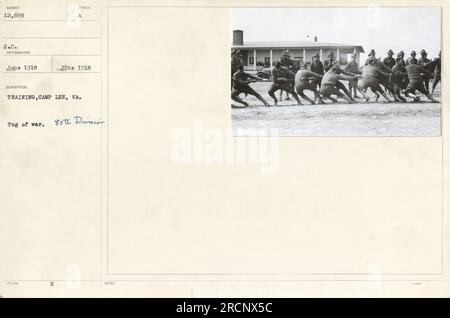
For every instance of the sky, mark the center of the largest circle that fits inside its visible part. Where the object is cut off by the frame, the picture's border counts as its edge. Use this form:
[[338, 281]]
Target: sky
[[379, 28]]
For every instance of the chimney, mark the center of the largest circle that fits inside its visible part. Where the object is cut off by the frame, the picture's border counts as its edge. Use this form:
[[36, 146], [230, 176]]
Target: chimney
[[315, 39], [238, 37]]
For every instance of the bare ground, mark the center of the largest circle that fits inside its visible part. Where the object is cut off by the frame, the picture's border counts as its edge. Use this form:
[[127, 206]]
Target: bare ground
[[340, 119]]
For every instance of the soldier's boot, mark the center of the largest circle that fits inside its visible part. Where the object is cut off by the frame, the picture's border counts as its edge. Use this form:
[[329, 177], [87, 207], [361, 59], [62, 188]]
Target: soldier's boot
[[348, 100], [307, 98], [236, 98], [261, 99], [318, 98], [386, 97], [410, 95], [296, 98], [377, 96], [397, 93], [431, 98], [272, 94], [395, 97], [333, 100], [367, 98], [433, 87]]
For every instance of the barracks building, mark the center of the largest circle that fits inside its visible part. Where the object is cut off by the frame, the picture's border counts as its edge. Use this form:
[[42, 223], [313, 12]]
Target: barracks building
[[263, 54]]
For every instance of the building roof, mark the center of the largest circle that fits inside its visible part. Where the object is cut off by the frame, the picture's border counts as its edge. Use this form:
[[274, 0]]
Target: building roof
[[294, 45]]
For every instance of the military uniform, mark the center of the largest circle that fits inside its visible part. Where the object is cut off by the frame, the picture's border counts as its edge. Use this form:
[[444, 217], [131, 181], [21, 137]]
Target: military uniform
[[369, 78], [437, 73], [414, 72], [352, 67], [287, 62], [341, 85], [328, 63], [401, 55], [389, 61], [399, 79], [241, 81], [369, 56], [329, 85], [291, 66], [423, 60], [304, 81], [412, 59], [236, 61], [384, 76], [316, 67], [281, 78]]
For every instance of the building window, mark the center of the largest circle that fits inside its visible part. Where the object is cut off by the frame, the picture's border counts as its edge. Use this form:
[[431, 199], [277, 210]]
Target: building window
[[251, 60], [267, 61]]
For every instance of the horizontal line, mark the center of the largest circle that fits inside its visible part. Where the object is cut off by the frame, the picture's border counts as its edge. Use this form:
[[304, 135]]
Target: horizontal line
[[46, 280], [43, 38], [51, 72], [285, 274], [21, 20], [222, 280], [274, 6], [51, 55]]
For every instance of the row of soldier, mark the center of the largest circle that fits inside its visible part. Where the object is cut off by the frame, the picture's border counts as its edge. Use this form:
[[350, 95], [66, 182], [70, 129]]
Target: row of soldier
[[393, 76]]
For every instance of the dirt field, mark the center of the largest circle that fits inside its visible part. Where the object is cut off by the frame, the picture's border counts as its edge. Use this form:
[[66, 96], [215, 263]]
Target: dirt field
[[341, 119]]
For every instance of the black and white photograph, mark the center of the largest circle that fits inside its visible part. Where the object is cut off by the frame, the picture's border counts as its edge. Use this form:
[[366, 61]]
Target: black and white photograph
[[344, 71]]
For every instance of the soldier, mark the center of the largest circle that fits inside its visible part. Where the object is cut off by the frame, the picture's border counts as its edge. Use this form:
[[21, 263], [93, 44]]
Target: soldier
[[370, 55], [329, 81], [384, 78], [416, 81], [286, 60], [353, 68], [316, 67], [289, 64], [304, 80], [369, 79], [412, 59], [401, 55], [339, 84], [389, 61], [241, 81], [437, 73], [328, 63], [236, 60], [423, 60], [281, 77], [399, 78]]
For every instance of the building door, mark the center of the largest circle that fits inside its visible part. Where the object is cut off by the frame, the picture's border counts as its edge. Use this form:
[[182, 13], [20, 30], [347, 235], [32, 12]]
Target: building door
[[267, 61]]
